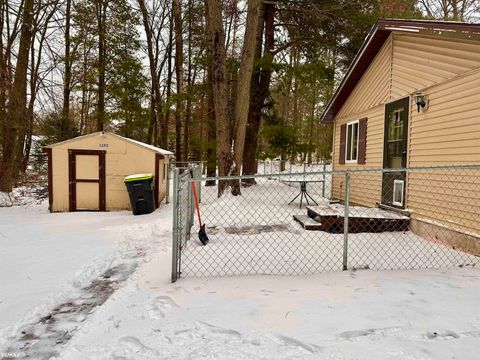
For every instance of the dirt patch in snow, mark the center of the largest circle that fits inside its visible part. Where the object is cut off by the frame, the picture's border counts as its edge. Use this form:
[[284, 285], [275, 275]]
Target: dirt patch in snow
[[258, 229]]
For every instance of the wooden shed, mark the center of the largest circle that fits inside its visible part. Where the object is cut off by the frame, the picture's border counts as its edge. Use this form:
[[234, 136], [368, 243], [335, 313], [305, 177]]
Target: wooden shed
[[86, 173], [378, 125]]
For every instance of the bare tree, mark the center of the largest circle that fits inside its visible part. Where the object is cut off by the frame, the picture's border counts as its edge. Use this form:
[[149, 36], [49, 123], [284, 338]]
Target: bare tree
[[153, 22], [260, 90], [66, 128], [243, 86], [9, 29], [177, 20], [216, 34], [17, 101], [101, 12], [456, 10], [44, 14]]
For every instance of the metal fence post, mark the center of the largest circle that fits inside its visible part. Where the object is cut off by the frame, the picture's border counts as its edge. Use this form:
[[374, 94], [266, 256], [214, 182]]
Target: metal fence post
[[175, 227], [199, 185], [324, 179], [345, 220], [167, 189], [191, 202]]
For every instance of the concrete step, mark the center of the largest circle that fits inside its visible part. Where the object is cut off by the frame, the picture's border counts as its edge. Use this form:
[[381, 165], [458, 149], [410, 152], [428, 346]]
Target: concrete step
[[307, 222]]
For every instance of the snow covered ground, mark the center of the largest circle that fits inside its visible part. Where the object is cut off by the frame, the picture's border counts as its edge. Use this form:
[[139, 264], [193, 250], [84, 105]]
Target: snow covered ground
[[351, 315], [256, 234], [52, 259], [97, 286]]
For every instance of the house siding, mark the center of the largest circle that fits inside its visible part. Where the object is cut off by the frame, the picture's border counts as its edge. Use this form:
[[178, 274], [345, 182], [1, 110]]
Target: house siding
[[419, 61], [366, 101], [448, 133], [374, 86], [365, 188]]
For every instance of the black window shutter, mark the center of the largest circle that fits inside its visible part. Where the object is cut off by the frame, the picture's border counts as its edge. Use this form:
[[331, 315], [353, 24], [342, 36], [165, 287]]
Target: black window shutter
[[343, 140], [362, 141]]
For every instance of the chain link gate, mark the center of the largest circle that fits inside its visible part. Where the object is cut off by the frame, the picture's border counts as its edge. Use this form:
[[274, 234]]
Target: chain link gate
[[312, 222]]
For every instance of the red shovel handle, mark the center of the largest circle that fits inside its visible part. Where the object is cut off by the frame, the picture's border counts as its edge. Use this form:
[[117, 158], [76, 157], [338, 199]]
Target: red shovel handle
[[196, 203]]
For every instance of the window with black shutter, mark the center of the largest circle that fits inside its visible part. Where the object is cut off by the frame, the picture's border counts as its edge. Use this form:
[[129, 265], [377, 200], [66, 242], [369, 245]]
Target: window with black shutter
[[353, 142]]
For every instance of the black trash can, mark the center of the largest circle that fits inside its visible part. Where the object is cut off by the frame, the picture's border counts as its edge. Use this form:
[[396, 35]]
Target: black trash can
[[140, 190]]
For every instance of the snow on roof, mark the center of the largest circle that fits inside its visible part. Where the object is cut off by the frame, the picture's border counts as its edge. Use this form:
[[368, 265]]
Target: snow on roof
[[139, 143], [148, 146]]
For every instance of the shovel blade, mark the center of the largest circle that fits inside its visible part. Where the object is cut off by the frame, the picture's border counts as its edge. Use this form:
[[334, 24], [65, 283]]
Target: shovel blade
[[202, 235]]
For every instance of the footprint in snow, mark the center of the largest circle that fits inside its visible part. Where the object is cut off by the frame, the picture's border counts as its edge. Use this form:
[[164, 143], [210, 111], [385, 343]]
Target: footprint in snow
[[442, 335], [354, 334], [164, 302], [295, 343], [216, 330], [159, 305], [133, 344]]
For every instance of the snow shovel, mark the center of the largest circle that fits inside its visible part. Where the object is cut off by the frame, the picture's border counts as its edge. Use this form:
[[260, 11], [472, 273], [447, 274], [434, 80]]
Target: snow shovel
[[202, 235]]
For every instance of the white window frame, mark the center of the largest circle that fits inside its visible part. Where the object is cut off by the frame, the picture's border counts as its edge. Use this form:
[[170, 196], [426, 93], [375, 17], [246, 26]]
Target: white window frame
[[402, 183], [351, 140]]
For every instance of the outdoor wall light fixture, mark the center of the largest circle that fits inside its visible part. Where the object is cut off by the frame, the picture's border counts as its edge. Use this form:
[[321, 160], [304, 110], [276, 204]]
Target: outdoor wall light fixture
[[421, 101]]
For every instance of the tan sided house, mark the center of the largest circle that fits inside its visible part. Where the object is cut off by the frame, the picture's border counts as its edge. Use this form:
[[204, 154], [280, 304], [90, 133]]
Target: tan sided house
[[87, 172], [411, 99]]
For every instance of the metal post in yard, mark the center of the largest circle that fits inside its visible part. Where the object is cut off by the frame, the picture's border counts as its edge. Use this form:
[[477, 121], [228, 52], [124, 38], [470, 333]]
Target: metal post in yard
[[323, 184], [191, 204], [175, 229], [345, 221], [199, 185], [304, 167], [167, 189]]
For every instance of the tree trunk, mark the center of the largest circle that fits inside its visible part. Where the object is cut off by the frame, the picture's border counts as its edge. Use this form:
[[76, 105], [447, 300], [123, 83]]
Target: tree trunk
[[65, 131], [4, 84], [258, 96], [243, 87], [177, 20], [166, 122], [164, 131], [17, 102], [188, 110], [102, 61], [211, 128], [155, 96], [219, 86]]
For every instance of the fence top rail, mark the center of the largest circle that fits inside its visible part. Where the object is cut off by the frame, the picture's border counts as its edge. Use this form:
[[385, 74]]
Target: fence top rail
[[347, 171]]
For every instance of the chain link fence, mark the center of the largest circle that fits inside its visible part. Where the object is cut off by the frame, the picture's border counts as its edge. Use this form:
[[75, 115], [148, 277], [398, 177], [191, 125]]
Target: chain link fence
[[275, 166], [312, 222]]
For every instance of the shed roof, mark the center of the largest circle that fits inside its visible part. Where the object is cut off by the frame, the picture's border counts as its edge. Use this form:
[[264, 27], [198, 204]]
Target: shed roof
[[139, 143], [371, 46]]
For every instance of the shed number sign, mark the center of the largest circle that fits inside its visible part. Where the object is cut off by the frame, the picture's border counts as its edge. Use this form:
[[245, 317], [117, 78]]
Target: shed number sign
[[103, 145]]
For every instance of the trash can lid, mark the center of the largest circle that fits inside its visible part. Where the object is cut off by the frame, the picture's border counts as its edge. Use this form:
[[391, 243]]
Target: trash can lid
[[137, 177]]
